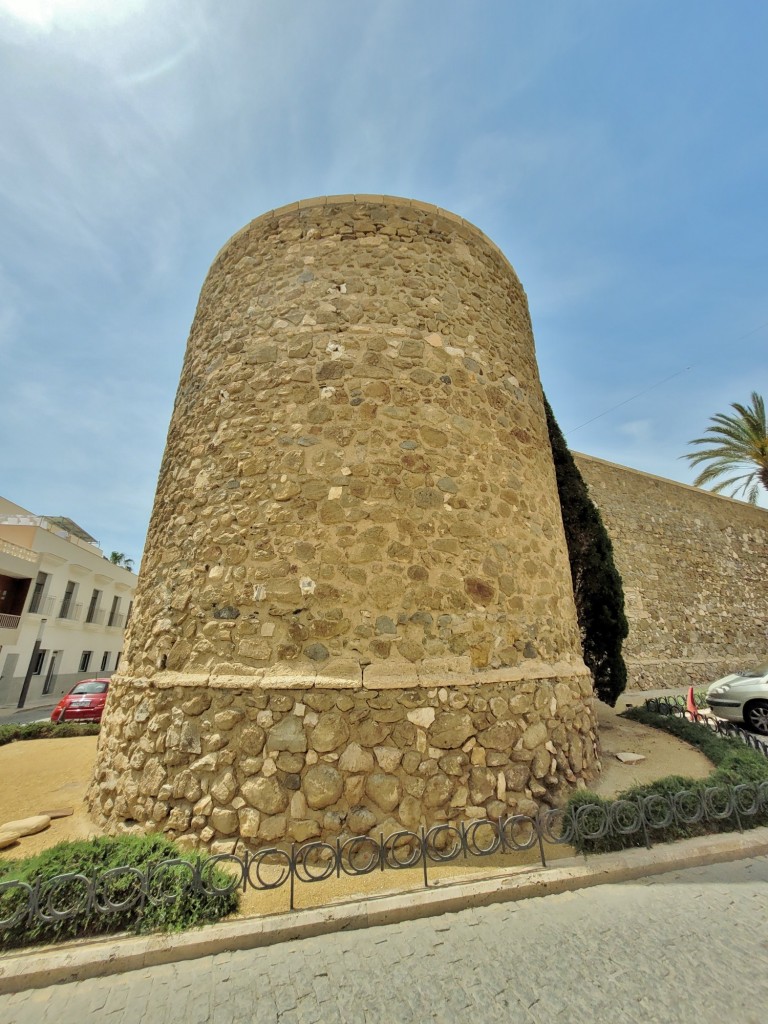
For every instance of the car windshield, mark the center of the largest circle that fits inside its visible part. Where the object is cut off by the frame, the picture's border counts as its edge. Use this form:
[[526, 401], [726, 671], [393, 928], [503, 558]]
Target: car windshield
[[755, 673], [94, 686]]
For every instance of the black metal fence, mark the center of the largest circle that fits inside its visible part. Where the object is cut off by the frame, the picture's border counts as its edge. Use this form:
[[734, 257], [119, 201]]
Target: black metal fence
[[121, 889], [677, 707]]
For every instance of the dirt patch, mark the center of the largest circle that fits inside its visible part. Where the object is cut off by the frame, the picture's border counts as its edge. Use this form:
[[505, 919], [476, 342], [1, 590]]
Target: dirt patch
[[42, 774], [664, 754]]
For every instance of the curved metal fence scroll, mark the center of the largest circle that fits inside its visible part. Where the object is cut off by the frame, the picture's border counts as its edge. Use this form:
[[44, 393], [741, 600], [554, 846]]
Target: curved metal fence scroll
[[129, 888]]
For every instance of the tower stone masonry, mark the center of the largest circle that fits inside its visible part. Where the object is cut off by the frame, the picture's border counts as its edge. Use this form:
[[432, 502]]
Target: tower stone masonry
[[354, 611]]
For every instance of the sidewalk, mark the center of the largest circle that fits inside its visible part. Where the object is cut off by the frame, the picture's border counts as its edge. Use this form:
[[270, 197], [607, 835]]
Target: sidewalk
[[77, 961]]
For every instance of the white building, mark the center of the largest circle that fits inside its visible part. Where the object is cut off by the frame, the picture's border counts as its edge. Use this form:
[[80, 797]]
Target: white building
[[63, 606]]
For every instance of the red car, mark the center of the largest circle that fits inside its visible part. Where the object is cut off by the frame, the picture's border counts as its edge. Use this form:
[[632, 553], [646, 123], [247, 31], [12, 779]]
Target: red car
[[84, 702]]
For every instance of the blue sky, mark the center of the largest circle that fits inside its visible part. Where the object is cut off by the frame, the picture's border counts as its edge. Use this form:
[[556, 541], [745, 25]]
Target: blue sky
[[616, 152]]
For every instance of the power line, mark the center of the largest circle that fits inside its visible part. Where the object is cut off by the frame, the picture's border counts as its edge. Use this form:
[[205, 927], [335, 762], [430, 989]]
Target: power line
[[627, 400], [658, 383]]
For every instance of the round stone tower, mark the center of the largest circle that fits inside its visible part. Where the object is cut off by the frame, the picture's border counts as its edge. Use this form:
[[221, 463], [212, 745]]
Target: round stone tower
[[354, 610]]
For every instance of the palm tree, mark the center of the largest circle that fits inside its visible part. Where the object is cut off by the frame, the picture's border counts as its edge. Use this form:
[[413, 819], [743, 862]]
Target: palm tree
[[735, 444], [118, 558]]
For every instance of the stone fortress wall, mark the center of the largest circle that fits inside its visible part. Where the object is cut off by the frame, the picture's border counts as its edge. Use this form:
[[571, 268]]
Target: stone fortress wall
[[695, 572], [354, 610]]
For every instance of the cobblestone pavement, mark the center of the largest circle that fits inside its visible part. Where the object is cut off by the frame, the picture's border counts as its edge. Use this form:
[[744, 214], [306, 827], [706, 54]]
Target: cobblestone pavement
[[686, 946]]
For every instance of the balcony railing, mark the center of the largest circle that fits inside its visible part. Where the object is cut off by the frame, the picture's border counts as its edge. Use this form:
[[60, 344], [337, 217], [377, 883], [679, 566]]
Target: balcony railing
[[9, 621], [8, 548], [71, 612], [95, 618], [46, 524], [116, 621], [44, 606]]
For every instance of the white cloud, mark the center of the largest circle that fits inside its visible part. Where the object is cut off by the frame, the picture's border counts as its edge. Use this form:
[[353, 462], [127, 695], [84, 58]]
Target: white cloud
[[639, 431], [66, 16]]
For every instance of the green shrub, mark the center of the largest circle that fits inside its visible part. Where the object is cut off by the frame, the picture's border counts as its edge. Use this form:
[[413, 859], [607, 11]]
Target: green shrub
[[734, 764], [46, 731], [179, 907], [596, 581]]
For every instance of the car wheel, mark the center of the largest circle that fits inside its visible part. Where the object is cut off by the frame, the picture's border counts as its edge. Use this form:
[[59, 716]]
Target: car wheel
[[756, 716]]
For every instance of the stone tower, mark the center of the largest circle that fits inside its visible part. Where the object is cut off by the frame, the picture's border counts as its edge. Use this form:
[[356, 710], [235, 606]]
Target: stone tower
[[354, 610]]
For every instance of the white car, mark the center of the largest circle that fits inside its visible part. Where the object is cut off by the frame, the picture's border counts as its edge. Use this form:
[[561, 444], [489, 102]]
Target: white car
[[742, 697]]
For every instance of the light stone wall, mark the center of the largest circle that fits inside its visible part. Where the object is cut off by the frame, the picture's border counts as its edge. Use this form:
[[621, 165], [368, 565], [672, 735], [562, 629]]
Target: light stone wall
[[212, 765], [357, 496], [357, 481], [695, 572]]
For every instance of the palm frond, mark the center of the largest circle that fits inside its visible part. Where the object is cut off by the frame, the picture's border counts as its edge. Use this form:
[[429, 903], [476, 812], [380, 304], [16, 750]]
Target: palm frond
[[734, 442]]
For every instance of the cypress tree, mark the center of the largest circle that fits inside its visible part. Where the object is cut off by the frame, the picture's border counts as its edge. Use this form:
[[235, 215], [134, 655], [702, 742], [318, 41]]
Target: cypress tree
[[596, 580]]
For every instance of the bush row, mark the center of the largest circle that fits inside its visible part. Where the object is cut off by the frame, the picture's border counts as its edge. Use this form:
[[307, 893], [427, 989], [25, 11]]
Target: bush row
[[46, 731], [178, 905], [733, 762]]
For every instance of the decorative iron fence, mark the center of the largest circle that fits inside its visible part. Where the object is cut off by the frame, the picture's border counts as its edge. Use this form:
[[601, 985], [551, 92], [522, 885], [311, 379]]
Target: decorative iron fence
[[677, 707], [127, 888]]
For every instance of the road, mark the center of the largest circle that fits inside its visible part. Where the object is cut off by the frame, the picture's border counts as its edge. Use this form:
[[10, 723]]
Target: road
[[10, 716], [688, 946]]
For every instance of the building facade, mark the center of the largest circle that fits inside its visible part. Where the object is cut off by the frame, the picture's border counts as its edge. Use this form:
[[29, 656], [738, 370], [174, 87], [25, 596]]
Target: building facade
[[63, 606]]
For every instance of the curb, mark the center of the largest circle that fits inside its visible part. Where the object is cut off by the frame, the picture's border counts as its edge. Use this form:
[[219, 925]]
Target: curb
[[78, 961]]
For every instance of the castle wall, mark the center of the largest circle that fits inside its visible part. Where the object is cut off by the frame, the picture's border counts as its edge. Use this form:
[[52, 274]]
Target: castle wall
[[356, 555], [695, 572]]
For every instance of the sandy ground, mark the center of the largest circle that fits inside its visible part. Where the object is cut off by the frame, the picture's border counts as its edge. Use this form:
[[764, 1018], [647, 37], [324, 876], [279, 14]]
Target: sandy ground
[[664, 754], [42, 775], [38, 775]]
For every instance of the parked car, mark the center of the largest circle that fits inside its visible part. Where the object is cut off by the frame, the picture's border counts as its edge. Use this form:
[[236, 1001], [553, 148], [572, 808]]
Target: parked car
[[742, 697], [84, 702]]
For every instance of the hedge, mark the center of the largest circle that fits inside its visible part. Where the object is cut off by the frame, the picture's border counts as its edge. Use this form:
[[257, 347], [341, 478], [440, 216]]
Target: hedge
[[178, 906], [46, 731]]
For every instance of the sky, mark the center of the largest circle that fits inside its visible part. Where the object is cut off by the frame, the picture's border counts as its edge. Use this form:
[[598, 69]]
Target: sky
[[616, 152]]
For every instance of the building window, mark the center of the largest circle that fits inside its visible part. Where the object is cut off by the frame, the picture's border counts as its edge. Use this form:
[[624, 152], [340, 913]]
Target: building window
[[37, 593], [50, 676], [93, 606], [128, 613], [117, 660], [105, 661], [37, 667], [66, 603], [85, 660], [113, 611]]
